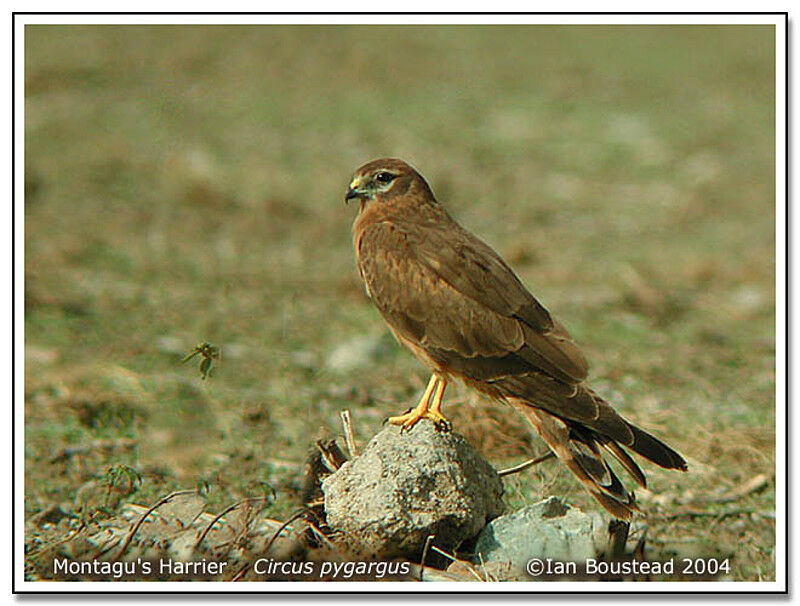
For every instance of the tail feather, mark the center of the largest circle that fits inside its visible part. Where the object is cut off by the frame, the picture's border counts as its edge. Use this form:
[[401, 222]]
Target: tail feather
[[655, 450], [611, 425], [578, 446], [626, 461], [583, 459], [582, 407]]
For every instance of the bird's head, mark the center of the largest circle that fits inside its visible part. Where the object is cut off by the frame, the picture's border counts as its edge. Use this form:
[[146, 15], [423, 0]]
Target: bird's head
[[384, 180]]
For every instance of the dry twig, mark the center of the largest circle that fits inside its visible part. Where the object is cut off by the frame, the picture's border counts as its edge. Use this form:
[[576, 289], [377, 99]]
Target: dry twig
[[525, 465], [225, 511], [296, 516], [349, 436], [425, 554], [332, 455], [700, 513], [138, 524], [453, 558], [754, 484]]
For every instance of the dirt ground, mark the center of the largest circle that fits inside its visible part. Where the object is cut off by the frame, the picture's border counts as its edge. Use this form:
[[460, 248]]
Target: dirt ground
[[185, 184]]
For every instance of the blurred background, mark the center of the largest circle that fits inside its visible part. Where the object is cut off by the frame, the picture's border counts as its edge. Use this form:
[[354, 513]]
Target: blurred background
[[185, 184]]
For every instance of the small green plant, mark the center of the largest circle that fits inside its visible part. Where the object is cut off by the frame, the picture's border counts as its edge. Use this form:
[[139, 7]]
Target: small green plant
[[209, 353], [115, 474]]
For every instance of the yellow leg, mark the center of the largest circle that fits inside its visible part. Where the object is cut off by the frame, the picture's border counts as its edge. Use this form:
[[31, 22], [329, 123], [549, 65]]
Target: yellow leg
[[435, 413], [436, 388], [409, 419]]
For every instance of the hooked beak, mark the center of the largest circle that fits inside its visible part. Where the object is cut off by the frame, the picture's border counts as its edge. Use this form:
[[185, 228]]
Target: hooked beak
[[353, 190], [350, 194]]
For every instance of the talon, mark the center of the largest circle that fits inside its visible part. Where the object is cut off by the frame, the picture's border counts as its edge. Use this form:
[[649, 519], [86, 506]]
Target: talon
[[434, 414], [413, 415], [408, 420], [439, 422]]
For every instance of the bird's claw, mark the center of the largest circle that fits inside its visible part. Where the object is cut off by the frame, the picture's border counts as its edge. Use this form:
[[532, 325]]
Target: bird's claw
[[411, 418], [439, 421], [399, 420]]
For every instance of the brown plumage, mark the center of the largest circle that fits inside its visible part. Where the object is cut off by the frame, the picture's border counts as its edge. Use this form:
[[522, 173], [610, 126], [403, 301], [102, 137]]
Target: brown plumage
[[451, 300]]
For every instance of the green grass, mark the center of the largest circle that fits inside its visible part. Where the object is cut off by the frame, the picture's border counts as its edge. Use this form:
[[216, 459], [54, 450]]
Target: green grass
[[185, 184]]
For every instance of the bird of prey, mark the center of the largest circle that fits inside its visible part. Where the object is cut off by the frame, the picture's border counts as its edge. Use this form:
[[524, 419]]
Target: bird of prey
[[455, 304]]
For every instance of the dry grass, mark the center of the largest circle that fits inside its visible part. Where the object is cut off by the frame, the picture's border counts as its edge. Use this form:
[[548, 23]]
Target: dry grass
[[185, 184]]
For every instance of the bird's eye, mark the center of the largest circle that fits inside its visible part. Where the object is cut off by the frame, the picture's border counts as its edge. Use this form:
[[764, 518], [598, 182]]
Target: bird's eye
[[384, 177]]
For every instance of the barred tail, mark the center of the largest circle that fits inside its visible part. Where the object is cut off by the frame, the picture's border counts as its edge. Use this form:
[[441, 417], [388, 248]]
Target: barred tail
[[580, 449]]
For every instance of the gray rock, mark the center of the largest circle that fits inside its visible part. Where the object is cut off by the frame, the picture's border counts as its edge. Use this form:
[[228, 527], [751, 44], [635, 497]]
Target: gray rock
[[405, 487], [547, 529]]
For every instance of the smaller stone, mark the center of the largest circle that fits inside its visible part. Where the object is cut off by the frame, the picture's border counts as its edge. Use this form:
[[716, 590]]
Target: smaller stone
[[235, 351], [40, 355], [303, 359], [356, 353], [547, 529], [52, 515], [171, 345]]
